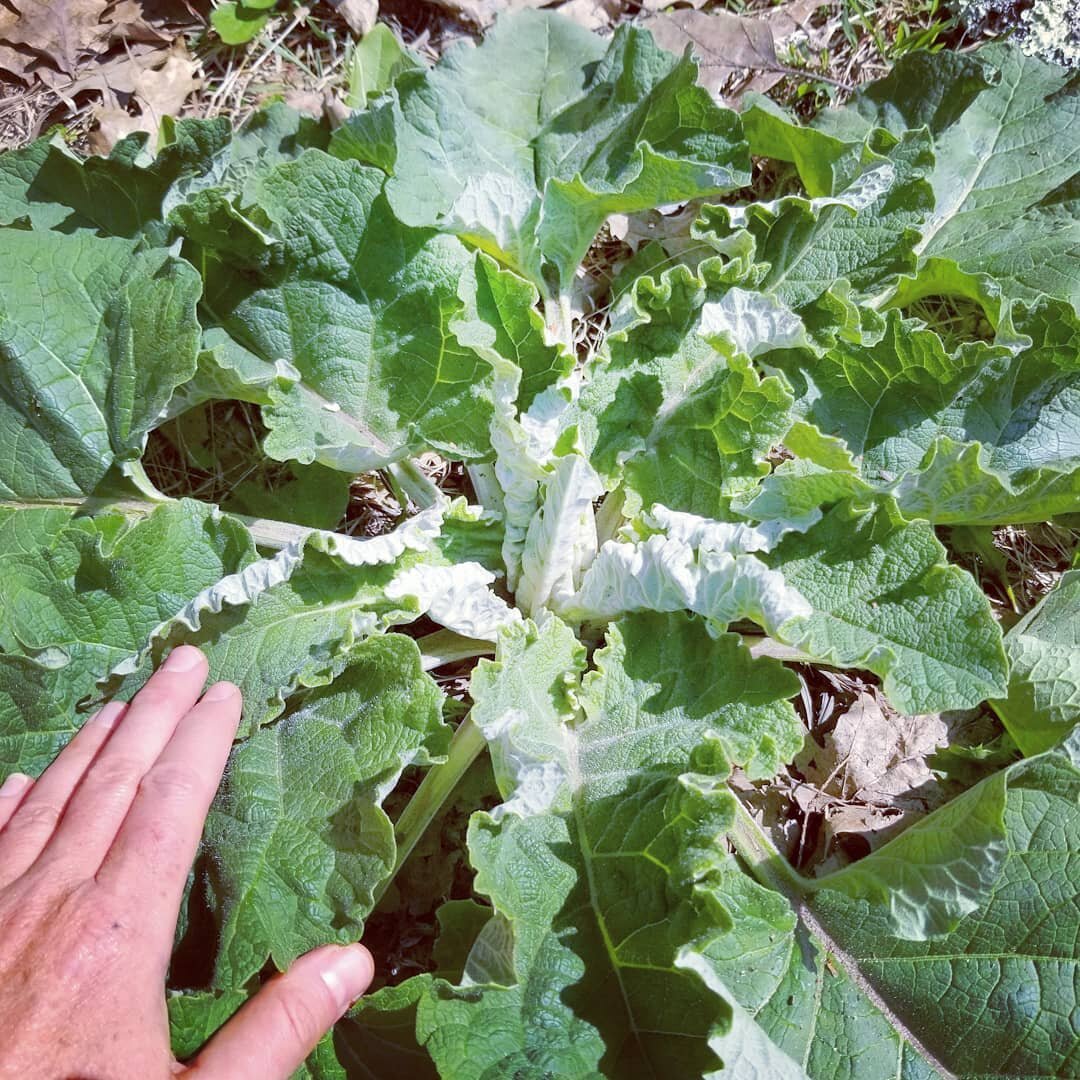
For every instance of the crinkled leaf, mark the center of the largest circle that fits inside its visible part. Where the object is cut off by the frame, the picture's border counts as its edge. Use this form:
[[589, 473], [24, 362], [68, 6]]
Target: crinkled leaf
[[500, 321], [359, 305], [865, 233], [561, 539], [594, 857], [667, 574], [1043, 702], [297, 838], [676, 410], [94, 336], [527, 143], [884, 598], [290, 620], [980, 435]]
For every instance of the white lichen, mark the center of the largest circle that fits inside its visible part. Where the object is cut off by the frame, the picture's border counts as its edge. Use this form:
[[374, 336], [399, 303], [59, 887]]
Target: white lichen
[[1049, 29]]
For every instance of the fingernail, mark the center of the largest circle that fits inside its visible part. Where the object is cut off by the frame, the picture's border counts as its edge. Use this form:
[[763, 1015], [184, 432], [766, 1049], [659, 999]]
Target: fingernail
[[220, 691], [347, 974], [183, 658], [15, 784], [109, 716]]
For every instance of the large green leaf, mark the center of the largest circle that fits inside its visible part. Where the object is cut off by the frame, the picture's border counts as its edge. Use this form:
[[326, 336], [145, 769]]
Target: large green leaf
[[839, 987], [980, 435], [526, 144], [127, 193], [1006, 180], [94, 336], [297, 840], [884, 598], [357, 303], [83, 599], [1043, 703], [594, 857], [994, 996]]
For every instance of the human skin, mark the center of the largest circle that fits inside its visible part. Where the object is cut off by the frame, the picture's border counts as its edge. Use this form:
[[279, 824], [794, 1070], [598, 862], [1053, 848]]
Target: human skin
[[94, 858]]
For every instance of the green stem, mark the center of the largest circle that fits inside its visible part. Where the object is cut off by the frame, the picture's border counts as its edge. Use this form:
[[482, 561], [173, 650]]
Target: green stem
[[559, 320], [414, 483], [486, 486], [764, 861], [445, 646], [432, 793]]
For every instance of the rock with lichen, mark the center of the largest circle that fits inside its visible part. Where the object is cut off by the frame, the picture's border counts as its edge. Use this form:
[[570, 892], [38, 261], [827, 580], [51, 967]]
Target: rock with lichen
[[1049, 29]]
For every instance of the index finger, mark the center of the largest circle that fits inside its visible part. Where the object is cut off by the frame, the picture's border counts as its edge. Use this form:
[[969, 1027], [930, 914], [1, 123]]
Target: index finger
[[157, 842]]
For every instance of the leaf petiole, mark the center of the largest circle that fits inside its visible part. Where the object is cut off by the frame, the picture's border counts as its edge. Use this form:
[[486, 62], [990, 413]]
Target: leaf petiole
[[434, 790]]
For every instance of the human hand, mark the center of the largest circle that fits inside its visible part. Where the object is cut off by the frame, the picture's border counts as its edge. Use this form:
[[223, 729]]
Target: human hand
[[94, 857]]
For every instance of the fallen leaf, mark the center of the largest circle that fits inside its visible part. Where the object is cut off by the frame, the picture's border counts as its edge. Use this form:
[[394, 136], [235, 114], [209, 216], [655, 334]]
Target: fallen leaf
[[16, 62], [592, 14], [160, 85], [128, 23], [61, 31], [876, 755], [726, 44], [482, 13], [109, 76], [359, 14], [309, 102]]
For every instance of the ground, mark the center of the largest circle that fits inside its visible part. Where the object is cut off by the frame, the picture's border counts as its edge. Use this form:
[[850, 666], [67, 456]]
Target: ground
[[118, 65]]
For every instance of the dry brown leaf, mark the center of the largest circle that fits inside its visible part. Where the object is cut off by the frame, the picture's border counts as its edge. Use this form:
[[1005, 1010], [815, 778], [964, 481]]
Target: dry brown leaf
[[592, 14], [161, 84], [359, 14], [867, 778], [108, 76], [62, 31], [13, 60], [877, 755], [659, 5], [726, 44], [482, 13], [16, 62], [128, 22]]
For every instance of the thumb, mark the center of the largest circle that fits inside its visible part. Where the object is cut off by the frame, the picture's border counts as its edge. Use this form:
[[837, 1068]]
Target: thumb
[[269, 1038]]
